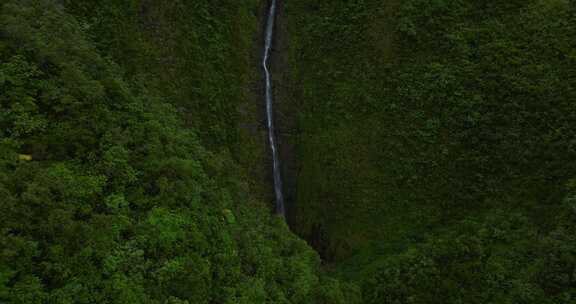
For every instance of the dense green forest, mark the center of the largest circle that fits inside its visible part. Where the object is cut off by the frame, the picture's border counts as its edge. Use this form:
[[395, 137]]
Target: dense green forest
[[125, 173], [434, 146]]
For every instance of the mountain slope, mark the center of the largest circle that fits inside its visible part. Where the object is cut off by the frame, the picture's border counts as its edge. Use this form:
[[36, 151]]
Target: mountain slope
[[124, 175], [424, 125]]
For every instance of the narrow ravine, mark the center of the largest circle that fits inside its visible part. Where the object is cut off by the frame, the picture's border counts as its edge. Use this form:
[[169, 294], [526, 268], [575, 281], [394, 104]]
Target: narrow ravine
[[269, 97]]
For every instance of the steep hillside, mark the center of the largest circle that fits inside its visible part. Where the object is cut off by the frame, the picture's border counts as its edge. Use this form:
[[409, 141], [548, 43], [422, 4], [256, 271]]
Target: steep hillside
[[127, 174], [436, 142], [429, 144]]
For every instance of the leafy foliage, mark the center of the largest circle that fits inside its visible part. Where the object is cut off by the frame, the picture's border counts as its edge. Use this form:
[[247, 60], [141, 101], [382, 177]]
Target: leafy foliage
[[425, 124], [129, 193]]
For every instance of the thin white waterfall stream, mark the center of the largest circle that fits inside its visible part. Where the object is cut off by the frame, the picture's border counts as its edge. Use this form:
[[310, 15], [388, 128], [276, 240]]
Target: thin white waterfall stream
[[268, 40]]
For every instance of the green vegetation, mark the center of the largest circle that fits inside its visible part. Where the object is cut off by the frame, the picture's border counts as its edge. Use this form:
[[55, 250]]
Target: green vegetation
[[436, 142], [124, 177], [436, 153]]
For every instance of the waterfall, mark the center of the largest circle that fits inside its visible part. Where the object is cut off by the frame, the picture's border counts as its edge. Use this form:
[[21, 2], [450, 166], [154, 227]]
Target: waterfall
[[268, 40]]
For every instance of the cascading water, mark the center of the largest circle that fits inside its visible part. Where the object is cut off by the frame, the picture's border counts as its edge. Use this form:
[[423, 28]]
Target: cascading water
[[268, 40]]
